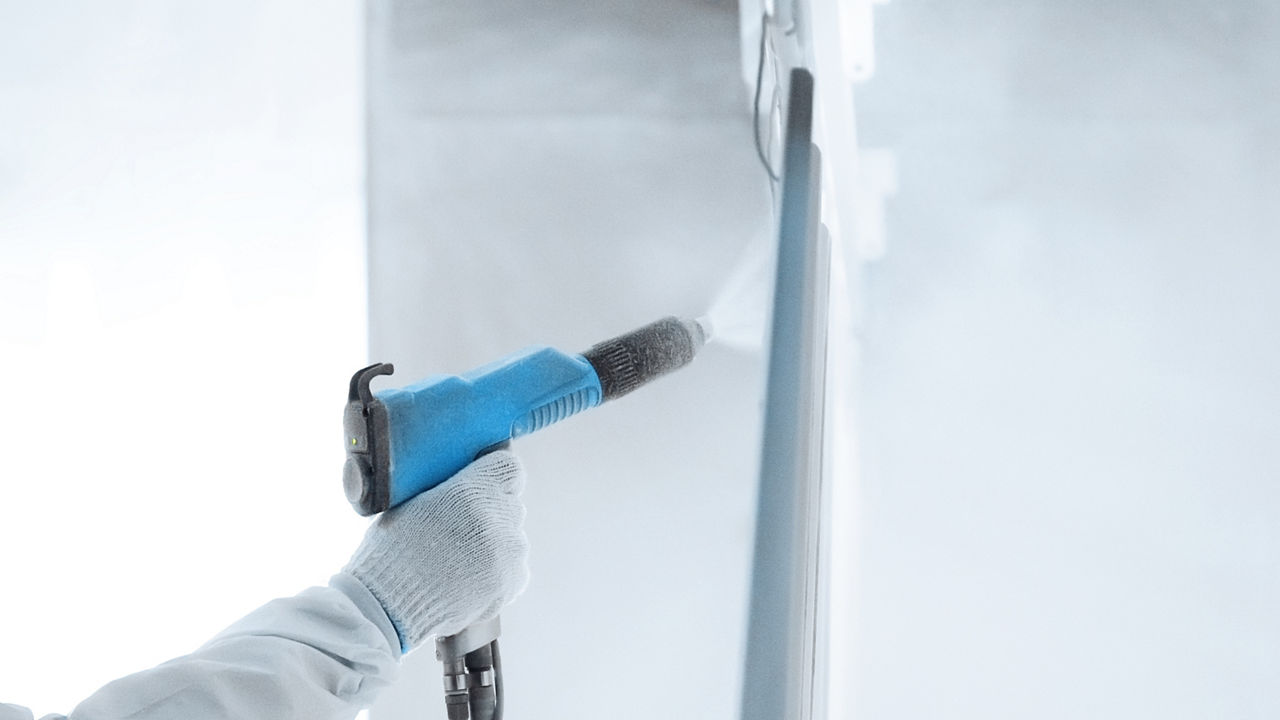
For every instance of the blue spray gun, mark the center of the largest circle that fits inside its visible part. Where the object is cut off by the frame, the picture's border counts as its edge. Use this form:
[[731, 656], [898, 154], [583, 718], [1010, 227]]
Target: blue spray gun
[[404, 441]]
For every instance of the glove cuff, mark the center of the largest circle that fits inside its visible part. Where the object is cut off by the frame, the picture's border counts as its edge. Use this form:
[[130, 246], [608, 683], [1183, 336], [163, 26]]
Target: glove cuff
[[370, 607], [378, 570]]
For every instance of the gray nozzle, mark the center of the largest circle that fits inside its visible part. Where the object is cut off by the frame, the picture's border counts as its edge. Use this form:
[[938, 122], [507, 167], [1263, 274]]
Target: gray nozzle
[[708, 330], [631, 360]]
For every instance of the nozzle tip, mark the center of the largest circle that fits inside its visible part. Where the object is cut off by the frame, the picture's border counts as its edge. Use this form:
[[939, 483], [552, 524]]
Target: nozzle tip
[[708, 330]]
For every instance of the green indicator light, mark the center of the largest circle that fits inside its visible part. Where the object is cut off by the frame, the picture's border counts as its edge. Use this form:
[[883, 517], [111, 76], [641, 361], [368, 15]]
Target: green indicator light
[[353, 441]]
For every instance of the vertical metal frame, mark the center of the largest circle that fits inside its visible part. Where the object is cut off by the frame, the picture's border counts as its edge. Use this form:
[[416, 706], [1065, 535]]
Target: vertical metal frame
[[784, 674]]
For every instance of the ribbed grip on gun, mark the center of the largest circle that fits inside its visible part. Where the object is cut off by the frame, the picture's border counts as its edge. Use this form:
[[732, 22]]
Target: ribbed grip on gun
[[557, 410], [631, 360]]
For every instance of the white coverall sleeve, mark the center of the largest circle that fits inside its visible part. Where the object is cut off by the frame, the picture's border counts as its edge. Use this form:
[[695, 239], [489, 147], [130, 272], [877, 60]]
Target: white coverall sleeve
[[14, 712], [321, 655]]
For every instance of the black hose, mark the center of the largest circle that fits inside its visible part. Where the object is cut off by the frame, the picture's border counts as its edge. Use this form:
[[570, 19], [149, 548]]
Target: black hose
[[497, 680], [755, 103], [481, 697]]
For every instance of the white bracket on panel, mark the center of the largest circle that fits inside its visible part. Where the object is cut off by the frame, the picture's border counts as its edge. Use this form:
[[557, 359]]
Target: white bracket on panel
[[834, 122], [877, 180], [857, 32]]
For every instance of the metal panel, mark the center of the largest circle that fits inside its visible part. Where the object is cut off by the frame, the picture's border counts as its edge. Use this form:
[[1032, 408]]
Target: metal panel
[[784, 675]]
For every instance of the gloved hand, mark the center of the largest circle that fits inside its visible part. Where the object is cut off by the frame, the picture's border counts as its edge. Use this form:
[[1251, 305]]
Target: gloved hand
[[452, 556]]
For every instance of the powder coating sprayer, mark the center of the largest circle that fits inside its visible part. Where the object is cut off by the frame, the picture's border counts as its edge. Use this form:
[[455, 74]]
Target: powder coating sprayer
[[401, 442]]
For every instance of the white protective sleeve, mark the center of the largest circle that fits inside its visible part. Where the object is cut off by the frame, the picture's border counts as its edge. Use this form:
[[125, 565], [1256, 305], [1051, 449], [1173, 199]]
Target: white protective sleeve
[[321, 655]]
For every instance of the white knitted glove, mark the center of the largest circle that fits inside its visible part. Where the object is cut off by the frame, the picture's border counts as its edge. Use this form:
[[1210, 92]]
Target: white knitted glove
[[452, 556]]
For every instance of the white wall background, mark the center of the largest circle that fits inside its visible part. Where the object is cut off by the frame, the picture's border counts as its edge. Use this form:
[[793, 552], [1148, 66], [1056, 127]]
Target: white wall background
[[181, 305]]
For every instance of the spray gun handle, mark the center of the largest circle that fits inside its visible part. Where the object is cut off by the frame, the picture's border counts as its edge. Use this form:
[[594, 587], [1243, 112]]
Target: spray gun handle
[[472, 672], [471, 663]]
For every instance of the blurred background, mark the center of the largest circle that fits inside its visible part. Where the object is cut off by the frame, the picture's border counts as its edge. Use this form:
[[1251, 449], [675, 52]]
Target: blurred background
[[1070, 397], [1064, 505], [182, 292]]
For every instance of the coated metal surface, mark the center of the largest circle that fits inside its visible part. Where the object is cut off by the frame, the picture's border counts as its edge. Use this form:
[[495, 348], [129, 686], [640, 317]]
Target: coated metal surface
[[781, 643], [555, 175]]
